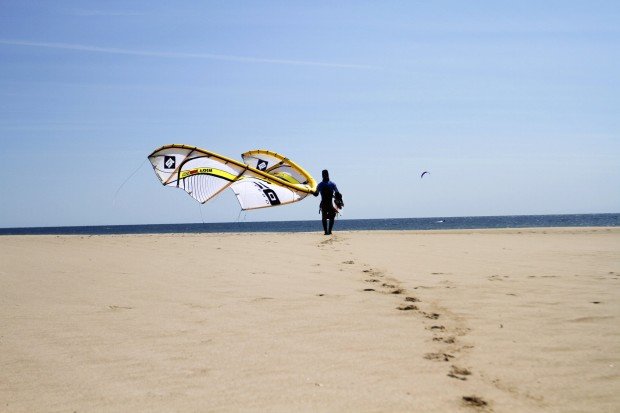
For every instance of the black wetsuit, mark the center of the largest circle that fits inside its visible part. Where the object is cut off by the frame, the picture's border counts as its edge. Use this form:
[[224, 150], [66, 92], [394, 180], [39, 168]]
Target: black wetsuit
[[327, 189]]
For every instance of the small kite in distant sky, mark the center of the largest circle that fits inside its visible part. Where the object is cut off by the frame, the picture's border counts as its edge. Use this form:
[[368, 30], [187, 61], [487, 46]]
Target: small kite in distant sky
[[424, 173]]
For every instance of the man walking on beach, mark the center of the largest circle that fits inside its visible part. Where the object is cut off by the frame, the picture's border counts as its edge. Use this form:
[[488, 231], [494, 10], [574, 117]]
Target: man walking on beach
[[328, 191]]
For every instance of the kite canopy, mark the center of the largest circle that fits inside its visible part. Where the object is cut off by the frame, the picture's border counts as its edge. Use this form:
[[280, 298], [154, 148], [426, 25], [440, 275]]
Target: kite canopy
[[263, 179]]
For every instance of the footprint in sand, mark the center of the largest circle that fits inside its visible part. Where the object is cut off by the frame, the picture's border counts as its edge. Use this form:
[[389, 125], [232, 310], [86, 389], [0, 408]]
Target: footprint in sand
[[348, 262], [374, 273], [437, 328], [432, 316], [447, 340], [369, 289], [407, 307], [412, 299], [119, 307], [474, 401], [438, 356], [459, 373], [395, 290], [372, 280]]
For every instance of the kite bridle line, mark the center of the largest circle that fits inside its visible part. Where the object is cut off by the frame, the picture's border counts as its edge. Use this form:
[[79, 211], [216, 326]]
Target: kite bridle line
[[125, 181]]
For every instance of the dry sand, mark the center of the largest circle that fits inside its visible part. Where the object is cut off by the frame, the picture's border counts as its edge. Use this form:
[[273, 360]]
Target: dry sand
[[455, 321]]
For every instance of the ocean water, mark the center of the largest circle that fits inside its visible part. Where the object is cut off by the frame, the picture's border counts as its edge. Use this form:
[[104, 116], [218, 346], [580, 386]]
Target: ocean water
[[392, 224]]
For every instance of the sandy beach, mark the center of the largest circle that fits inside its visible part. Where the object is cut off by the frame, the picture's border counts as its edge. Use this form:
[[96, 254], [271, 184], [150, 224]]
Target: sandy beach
[[521, 320]]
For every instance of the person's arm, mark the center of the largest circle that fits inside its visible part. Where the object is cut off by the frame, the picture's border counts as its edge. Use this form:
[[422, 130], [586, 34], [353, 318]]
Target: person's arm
[[338, 198], [335, 188], [318, 189]]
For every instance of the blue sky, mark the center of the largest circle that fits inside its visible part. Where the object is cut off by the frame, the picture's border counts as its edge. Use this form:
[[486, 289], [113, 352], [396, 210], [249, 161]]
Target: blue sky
[[514, 107]]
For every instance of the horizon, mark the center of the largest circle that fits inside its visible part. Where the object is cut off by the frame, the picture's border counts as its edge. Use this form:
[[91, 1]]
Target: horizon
[[513, 108], [314, 221]]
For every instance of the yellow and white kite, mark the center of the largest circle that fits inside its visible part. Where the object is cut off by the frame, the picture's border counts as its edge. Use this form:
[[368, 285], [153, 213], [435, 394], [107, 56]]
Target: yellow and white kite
[[264, 178]]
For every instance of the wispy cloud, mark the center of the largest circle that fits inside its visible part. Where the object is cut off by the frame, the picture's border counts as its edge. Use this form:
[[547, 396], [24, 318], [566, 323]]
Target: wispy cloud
[[103, 13], [178, 55]]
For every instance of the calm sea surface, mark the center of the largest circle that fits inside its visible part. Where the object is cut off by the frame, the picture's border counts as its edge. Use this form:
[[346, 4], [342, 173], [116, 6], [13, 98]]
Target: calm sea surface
[[394, 224]]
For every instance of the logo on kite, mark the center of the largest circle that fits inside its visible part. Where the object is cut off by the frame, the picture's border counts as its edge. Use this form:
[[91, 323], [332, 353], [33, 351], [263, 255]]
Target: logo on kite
[[170, 162], [424, 173], [272, 196], [261, 165]]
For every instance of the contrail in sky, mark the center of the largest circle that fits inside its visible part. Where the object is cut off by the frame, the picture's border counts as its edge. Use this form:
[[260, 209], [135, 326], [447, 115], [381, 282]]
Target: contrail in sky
[[177, 55]]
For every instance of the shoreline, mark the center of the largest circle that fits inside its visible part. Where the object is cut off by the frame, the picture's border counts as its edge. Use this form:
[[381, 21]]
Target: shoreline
[[515, 230], [503, 320], [399, 224]]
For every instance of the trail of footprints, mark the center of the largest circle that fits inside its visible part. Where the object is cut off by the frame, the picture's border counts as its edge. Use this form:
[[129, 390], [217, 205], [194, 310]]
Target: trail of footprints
[[445, 337]]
